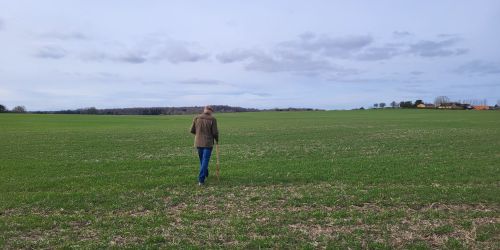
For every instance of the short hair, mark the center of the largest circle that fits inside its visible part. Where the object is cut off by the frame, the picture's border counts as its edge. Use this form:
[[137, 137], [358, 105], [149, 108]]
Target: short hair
[[208, 107]]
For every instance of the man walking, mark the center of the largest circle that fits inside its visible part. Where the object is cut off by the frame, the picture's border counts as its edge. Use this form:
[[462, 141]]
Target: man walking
[[205, 130]]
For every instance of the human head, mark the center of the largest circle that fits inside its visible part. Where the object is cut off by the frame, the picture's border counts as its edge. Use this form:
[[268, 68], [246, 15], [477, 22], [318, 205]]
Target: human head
[[208, 109]]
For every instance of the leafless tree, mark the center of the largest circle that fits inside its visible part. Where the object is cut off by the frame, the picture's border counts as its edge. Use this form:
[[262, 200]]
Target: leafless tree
[[440, 100], [19, 109], [394, 104]]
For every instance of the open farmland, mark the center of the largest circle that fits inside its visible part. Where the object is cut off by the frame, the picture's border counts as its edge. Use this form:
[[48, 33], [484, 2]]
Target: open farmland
[[338, 179]]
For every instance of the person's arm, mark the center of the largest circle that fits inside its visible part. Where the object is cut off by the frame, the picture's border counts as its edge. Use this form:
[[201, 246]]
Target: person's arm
[[193, 127], [215, 131]]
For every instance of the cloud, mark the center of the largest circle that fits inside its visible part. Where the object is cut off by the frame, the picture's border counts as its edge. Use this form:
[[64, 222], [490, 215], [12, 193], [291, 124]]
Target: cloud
[[196, 81], [378, 53], [151, 49], [416, 73], [177, 52], [51, 52], [377, 80], [132, 57], [446, 35], [95, 76], [64, 36], [423, 48], [281, 60], [443, 48], [401, 34], [335, 47], [478, 67], [309, 55], [307, 35], [2, 24], [237, 55], [286, 61], [94, 56], [152, 83]]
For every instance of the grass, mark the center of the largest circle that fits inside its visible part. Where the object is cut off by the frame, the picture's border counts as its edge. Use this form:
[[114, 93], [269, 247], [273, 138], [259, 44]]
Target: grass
[[383, 179]]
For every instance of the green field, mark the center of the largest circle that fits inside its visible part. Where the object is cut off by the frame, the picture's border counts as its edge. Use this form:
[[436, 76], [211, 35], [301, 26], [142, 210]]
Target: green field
[[373, 179]]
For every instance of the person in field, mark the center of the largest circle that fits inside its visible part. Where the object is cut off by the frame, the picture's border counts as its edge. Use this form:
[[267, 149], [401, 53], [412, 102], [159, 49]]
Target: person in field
[[204, 128]]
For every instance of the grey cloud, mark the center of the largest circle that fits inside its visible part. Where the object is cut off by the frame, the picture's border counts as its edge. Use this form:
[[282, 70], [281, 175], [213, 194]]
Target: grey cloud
[[424, 48], [401, 34], [134, 57], [51, 52], [259, 94], [446, 35], [360, 80], [151, 50], [339, 47], [308, 55], [269, 64], [178, 53], [478, 67], [97, 76], [283, 61], [235, 56], [94, 56], [441, 48], [380, 80], [64, 35], [311, 54], [307, 36], [196, 81], [476, 85], [338, 79], [152, 82], [162, 48], [228, 93], [378, 53]]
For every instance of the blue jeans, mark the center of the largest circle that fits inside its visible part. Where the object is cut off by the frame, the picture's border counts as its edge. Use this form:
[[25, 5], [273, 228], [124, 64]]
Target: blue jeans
[[204, 154]]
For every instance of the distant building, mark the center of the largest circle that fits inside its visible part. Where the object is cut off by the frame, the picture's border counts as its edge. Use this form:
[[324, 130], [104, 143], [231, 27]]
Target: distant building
[[481, 107], [452, 105], [425, 106]]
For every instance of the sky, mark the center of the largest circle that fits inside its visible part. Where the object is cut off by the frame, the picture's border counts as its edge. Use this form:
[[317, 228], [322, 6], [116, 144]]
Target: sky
[[70, 54]]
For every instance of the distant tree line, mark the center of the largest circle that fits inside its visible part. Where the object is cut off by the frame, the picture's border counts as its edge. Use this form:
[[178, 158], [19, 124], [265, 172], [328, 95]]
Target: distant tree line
[[441, 102], [16, 109], [147, 110], [164, 110]]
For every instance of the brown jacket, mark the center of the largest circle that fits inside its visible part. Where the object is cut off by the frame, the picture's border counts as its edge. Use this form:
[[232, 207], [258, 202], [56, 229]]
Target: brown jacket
[[205, 130]]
